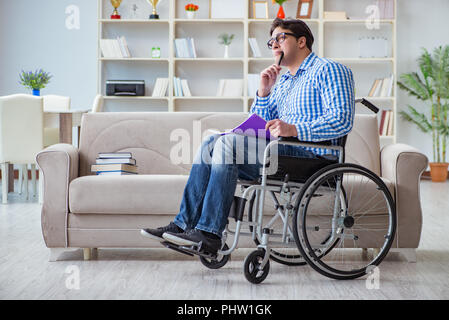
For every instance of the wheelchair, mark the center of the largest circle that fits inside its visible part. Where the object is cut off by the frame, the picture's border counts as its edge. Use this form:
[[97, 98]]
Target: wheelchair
[[324, 213]]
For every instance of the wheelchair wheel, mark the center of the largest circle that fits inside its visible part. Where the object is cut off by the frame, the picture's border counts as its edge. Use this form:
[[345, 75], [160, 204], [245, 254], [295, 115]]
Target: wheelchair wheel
[[251, 267], [282, 256], [365, 219], [217, 263]]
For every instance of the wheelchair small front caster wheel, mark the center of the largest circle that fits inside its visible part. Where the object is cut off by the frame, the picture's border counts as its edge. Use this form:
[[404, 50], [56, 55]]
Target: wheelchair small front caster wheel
[[218, 262], [251, 267]]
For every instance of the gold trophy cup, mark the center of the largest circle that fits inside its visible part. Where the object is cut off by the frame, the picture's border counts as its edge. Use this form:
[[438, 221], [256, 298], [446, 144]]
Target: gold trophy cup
[[154, 14], [115, 4]]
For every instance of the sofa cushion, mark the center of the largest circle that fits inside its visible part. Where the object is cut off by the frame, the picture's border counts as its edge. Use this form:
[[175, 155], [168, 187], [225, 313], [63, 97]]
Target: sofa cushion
[[130, 194]]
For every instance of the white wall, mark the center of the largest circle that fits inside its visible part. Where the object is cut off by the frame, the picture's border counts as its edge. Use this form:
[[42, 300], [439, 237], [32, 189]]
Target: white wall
[[420, 24], [33, 35]]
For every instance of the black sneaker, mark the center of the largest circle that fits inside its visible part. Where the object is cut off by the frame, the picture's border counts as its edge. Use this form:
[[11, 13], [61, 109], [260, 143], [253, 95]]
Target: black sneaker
[[210, 243], [156, 234]]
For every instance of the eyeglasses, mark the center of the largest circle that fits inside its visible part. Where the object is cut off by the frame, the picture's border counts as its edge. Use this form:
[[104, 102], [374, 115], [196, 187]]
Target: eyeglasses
[[280, 37]]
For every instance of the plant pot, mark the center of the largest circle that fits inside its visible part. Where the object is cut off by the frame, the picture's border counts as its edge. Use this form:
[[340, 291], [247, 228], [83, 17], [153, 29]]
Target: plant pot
[[438, 171], [190, 14], [36, 92], [281, 13]]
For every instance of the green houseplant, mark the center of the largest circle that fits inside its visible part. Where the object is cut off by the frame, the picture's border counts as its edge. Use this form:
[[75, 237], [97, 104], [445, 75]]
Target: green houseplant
[[431, 86], [226, 39], [35, 81]]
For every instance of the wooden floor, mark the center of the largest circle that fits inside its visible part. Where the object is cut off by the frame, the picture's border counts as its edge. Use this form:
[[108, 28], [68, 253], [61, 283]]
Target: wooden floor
[[25, 272]]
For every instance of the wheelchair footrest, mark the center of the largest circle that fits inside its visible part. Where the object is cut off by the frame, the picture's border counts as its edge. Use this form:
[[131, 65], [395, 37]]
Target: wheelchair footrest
[[190, 250]]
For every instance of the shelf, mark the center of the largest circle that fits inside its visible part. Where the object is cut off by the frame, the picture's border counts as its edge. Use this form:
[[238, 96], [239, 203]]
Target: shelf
[[135, 59], [261, 59], [211, 59], [357, 21], [269, 21], [361, 60], [208, 98], [134, 98], [210, 20], [124, 21]]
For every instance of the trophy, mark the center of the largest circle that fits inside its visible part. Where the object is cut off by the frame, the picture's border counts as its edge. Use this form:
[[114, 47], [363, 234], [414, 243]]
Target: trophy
[[154, 14], [115, 4]]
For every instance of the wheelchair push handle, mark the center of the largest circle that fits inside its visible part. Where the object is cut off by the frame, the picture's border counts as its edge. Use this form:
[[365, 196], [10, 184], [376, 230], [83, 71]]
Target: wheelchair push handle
[[368, 104]]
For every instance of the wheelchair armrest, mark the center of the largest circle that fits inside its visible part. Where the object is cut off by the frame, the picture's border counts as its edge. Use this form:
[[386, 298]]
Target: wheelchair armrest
[[320, 144]]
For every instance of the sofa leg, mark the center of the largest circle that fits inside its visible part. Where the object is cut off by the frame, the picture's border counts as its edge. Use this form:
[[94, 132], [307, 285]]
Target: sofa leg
[[408, 253], [87, 254], [94, 253]]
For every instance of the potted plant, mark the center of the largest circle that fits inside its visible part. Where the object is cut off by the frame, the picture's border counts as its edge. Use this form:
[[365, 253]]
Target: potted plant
[[432, 86], [35, 81], [281, 13], [226, 39], [190, 10]]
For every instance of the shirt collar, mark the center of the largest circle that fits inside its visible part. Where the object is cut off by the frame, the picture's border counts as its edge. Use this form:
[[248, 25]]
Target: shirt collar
[[308, 61]]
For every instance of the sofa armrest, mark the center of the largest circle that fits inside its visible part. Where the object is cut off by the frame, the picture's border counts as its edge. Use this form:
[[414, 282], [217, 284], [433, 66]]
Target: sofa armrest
[[403, 165], [59, 165]]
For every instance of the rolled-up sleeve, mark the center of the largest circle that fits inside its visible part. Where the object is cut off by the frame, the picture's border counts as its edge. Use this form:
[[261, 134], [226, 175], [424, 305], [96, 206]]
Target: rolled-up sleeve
[[265, 107]]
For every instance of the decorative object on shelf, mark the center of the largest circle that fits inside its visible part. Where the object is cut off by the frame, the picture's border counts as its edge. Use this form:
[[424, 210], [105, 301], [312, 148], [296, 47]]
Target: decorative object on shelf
[[304, 10], [116, 4], [227, 9], [432, 87], [335, 15], [155, 52], [260, 9], [373, 47], [134, 14], [281, 13], [191, 9], [154, 3], [35, 81], [125, 88], [226, 39]]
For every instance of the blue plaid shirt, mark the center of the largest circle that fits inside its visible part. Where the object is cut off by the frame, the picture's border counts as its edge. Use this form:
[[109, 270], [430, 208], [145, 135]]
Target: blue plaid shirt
[[319, 100]]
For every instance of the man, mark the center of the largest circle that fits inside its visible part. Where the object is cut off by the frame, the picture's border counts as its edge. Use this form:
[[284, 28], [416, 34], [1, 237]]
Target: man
[[313, 101]]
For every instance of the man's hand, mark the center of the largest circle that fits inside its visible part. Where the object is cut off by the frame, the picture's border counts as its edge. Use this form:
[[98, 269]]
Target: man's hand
[[279, 128]]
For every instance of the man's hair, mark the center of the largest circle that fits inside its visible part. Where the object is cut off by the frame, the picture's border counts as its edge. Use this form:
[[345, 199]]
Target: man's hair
[[296, 26]]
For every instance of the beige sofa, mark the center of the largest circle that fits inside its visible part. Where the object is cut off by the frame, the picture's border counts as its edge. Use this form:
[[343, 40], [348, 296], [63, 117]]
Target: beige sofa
[[81, 210]]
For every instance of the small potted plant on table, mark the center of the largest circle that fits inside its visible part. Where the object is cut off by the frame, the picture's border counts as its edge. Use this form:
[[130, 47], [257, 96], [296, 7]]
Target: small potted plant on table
[[35, 81]]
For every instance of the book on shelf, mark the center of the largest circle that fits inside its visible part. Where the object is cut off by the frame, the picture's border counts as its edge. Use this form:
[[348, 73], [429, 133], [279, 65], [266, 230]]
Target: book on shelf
[[185, 48], [254, 47], [382, 87], [386, 9], [253, 83], [115, 48], [386, 123], [181, 87], [230, 88], [114, 173], [160, 87]]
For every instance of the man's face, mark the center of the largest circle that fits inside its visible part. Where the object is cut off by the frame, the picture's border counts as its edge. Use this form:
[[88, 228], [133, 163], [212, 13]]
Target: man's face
[[289, 44]]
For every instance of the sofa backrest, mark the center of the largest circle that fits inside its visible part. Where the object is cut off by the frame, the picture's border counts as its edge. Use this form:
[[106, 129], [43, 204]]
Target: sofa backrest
[[154, 138]]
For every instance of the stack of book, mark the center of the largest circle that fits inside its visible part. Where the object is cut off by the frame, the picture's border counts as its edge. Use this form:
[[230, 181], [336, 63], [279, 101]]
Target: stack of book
[[185, 48], [160, 87], [230, 88], [115, 48], [115, 163], [386, 123], [181, 87], [382, 87], [255, 47]]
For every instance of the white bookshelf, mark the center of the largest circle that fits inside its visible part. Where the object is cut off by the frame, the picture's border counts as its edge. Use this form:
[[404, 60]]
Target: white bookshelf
[[334, 39]]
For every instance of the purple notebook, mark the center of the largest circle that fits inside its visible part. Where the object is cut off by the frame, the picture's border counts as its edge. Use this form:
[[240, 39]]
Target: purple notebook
[[254, 126]]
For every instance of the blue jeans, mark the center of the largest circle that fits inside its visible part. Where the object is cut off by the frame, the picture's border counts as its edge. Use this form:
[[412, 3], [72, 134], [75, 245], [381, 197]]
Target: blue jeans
[[217, 165]]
